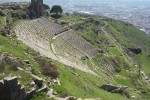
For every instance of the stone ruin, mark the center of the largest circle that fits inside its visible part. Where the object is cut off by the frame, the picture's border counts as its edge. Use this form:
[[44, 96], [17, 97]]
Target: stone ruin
[[11, 89], [36, 8], [8, 21], [6, 30]]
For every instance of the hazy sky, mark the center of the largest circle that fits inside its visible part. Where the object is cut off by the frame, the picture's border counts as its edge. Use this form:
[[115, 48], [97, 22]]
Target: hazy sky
[[70, 3], [79, 0]]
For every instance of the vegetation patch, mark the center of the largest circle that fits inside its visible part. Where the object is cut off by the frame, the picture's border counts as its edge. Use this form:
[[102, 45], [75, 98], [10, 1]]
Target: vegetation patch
[[135, 51]]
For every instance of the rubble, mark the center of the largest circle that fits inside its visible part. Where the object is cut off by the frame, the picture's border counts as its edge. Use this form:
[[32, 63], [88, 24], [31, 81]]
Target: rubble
[[30, 93], [44, 89]]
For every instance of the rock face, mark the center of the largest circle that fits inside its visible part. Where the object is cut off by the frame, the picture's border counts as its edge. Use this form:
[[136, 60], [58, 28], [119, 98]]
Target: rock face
[[10, 89], [26, 61], [135, 50], [37, 7], [108, 88], [38, 81], [30, 93], [115, 89]]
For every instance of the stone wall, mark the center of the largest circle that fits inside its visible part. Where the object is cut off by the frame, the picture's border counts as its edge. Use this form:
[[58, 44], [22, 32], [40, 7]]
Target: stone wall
[[10, 89], [37, 7]]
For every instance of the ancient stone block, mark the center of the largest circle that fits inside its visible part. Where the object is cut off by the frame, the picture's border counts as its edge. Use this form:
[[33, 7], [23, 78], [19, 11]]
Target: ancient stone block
[[22, 94], [27, 61], [10, 82], [116, 89], [18, 86], [108, 88], [30, 93], [38, 82], [11, 89], [44, 89], [33, 83], [1, 85], [14, 95], [71, 98], [22, 91], [4, 97]]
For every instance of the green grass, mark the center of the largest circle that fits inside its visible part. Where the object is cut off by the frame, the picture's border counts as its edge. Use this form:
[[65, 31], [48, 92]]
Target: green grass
[[144, 61], [2, 21], [24, 78], [120, 35], [132, 34], [130, 37], [83, 86], [17, 49], [41, 96]]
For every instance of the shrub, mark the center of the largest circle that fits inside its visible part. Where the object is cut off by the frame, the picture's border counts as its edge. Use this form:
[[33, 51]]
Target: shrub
[[135, 50], [47, 67], [1, 13], [64, 94], [1, 65], [116, 63], [56, 9], [126, 66], [50, 71], [3, 32], [14, 66], [46, 7]]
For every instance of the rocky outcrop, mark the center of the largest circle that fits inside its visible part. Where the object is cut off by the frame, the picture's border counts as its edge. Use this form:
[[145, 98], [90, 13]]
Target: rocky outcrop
[[108, 88], [1, 13], [10, 89], [115, 89], [38, 82], [30, 93], [135, 50], [44, 89]]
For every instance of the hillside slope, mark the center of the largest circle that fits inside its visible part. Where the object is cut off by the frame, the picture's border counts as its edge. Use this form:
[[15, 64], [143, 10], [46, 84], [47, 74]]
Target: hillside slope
[[88, 51], [41, 35]]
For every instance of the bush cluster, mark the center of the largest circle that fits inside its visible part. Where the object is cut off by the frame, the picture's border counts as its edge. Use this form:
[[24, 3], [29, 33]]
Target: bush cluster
[[47, 67]]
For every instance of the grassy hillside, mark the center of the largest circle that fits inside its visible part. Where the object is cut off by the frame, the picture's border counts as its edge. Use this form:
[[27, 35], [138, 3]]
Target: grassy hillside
[[70, 83], [2, 21], [113, 38], [113, 64], [130, 37]]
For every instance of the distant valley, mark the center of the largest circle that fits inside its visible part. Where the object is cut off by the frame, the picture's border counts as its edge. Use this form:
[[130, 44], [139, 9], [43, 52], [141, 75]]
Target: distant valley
[[136, 12]]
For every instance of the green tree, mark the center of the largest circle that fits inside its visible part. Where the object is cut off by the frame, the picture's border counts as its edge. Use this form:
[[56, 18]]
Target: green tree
[[56, 9], [46, 7]]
